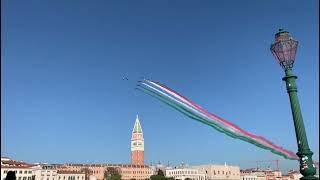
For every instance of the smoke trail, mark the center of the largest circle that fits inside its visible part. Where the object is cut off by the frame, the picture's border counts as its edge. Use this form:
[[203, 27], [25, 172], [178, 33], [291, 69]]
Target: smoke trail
[[192, 110]]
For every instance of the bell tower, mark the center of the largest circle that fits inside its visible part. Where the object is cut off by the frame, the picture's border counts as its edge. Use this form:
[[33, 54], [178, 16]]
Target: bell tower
[[137, 144]]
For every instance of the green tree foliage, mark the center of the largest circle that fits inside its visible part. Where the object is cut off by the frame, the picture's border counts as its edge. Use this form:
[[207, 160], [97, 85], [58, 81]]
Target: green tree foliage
[[160, 176], [112, 174], [160, 172], [157, 177]]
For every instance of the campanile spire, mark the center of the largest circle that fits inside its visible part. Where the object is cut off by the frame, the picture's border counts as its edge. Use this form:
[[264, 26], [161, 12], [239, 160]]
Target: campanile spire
[[137, 144]]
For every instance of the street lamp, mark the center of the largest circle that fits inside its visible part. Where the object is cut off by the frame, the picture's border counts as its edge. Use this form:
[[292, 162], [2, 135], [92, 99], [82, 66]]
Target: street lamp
[[284, 50]]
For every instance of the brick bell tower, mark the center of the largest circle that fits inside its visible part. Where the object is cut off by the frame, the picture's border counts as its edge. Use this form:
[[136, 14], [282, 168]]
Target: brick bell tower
[[137, 144]]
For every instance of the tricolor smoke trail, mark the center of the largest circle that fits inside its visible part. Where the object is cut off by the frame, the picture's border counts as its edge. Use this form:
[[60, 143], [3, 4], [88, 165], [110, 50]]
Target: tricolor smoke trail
[[194, 111]]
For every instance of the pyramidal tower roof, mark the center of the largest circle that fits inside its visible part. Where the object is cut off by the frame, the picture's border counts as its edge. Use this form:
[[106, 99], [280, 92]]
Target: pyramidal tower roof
[[137, 126]]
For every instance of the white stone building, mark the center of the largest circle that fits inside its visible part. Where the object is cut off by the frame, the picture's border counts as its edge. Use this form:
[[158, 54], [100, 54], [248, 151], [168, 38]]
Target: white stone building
[[183, 172], [248, 177], [22, 170], [219, 172], [70, 175], [45, 172], [261, 175]]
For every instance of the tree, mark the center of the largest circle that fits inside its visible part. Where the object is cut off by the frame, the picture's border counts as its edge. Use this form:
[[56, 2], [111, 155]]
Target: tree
[[160, 176], [160, 172], [157, 177], [112, 173]]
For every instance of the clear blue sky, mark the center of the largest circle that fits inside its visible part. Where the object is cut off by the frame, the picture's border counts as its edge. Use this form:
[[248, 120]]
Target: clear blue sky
[[64, 100]]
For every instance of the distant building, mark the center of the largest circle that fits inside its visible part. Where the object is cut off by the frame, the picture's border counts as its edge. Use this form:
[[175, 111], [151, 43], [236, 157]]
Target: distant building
[[267, 174], [184, 172], [70, 175], [294, 175], [137, 144], [45, 172], [138, 172], [127, 171], [91, 177], [273, 174], [220, 172], [248, 177], [22, 169]]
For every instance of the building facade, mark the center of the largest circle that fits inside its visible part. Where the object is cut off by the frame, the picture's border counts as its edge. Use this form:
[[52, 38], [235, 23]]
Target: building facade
[[127, 171], [23, 171], [267, 174], [184, 172], [261, 175], [248, 177], [137, 144], [44, 172], [294, 175], [221, 172], [71, 175]]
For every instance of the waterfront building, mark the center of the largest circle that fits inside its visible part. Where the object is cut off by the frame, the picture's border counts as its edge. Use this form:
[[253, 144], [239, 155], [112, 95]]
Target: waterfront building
[[294, 175], [261, 175], [248, 177], [267, 174], [22, 169], [127, 171], [219, 172], [70, 175], [44, 172], [183, 172]]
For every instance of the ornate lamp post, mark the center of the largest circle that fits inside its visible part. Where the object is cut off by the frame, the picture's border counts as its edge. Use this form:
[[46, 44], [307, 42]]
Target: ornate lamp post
[[284, 49]]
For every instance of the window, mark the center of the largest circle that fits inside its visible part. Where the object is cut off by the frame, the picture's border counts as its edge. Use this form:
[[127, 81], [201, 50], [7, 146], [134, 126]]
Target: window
[[24, 178], [29, 178], [30, 172]]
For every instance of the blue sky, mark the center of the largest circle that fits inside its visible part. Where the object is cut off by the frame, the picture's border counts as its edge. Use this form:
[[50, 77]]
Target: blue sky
[[63, 98]]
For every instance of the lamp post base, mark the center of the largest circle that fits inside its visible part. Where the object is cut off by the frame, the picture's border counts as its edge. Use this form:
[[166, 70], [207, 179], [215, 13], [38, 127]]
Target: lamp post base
[[309, 178]]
